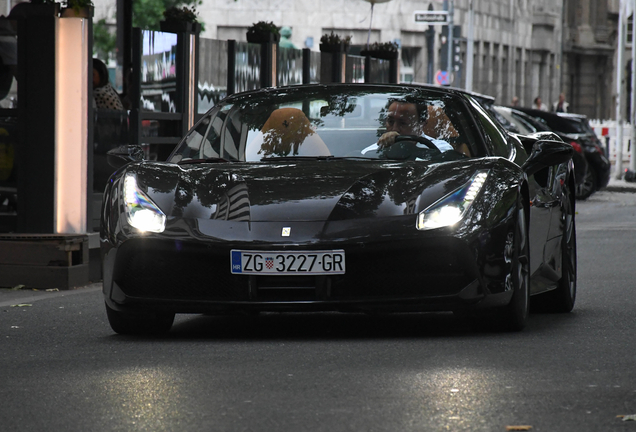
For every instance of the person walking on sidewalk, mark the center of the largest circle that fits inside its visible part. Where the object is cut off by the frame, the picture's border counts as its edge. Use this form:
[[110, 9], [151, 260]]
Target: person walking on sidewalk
[[561, 105], [538, 104]]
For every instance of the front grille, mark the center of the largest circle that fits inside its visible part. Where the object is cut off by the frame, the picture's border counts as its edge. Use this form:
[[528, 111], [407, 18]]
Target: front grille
[[171, 270], [402, 273], [156, 269]]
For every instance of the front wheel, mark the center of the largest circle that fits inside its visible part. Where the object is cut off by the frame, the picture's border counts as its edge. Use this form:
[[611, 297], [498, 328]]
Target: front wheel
[[561, 299], [588, 186], [514, 316], [139, 323]]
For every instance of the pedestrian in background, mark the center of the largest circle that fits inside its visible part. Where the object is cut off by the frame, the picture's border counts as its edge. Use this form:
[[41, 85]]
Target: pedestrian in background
[[105, 96], [561, 105], [538, 104], [515, 101]]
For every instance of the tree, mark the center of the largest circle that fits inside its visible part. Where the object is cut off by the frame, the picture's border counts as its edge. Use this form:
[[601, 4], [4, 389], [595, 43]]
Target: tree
[[148, 13], [104, 41]]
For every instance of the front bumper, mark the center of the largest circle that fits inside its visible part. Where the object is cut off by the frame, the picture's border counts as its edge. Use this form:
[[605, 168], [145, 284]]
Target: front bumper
[[419, 272]]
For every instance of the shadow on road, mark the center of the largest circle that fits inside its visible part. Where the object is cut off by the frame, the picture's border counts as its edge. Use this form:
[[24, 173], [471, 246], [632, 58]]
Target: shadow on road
[[338, 326]]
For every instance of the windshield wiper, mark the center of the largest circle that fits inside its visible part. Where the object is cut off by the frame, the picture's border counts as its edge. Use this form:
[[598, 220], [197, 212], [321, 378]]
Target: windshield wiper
[[206, 160], [319, 158], [295, 158]]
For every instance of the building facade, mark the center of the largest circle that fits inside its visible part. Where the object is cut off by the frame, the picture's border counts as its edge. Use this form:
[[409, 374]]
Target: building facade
[[518, 44], [522, 48], [590, 40]]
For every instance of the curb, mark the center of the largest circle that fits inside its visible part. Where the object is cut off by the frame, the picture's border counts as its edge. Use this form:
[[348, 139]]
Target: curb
[[627, 189]]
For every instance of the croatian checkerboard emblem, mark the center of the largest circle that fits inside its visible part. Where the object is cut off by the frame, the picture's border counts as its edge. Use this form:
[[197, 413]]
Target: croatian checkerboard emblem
[[286, 231]]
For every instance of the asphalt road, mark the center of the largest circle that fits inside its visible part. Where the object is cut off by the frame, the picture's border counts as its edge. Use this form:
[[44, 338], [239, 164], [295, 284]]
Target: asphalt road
[[63, 369]]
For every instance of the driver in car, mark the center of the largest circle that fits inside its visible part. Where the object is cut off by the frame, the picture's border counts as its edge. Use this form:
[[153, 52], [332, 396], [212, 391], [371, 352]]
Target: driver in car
[[406, 118]]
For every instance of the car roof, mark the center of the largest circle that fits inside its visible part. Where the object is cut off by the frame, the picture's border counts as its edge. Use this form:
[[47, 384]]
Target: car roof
[[348, 86], [572, 115], [561, 122], [534, 121], [482, 98]]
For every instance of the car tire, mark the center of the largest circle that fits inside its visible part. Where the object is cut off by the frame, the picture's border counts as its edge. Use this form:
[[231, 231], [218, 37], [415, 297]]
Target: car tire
[[588, 186], [139, 323], [561, 299], [514, 316]]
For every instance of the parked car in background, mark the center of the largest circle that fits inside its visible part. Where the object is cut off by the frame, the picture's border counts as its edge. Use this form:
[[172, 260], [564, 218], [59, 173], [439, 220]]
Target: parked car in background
[[576, 127], [519, 122]]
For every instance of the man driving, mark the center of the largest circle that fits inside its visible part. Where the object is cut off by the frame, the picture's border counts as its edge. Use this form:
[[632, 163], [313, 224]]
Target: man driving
[[406, 118]]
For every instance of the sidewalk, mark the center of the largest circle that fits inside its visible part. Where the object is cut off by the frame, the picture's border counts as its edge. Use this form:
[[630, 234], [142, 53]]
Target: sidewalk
[[621, 185], [26, 296]]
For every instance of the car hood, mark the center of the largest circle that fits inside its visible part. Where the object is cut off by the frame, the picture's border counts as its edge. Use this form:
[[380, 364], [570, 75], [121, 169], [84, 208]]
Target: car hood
[[299, 191]]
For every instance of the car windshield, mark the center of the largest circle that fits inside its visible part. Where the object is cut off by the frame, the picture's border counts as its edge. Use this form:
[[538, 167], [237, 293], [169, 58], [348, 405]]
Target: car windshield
[[318, 122], [513, 124]]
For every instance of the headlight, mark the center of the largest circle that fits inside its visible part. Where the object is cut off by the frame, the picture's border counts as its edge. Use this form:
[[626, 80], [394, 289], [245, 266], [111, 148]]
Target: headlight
[[141, 213], [452, 208]]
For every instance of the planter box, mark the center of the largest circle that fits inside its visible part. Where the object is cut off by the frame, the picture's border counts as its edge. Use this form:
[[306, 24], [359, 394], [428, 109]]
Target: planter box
[[255, 37], [179, 27], [383, 55], [84, 12], [334, 48]]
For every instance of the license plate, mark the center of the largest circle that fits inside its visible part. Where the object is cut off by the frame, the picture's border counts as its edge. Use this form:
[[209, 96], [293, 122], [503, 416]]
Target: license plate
[[288, 263]]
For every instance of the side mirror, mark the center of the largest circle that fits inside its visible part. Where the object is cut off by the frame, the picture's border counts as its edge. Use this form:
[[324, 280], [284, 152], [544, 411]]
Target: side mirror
[[529, 141], [547, 153], [124, 154]]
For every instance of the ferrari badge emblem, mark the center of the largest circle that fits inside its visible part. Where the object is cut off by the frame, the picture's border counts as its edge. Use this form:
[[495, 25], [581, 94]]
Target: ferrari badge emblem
[[286, 231]]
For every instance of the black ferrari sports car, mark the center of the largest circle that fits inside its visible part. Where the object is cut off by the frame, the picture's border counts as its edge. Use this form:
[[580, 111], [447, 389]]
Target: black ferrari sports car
[[351, 198]]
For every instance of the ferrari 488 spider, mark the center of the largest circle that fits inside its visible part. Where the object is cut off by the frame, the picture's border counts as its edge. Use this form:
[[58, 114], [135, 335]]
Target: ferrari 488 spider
[[351, 198]]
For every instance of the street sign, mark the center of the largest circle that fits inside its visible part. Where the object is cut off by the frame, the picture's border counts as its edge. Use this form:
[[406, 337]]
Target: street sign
[[431, 17], [443, 78]]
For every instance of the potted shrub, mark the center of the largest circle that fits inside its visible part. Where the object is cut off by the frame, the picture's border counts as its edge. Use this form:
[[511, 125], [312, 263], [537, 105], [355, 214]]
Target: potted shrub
[[180, 19], [382, 50], [262, 32], [78, 9], [334, 43]]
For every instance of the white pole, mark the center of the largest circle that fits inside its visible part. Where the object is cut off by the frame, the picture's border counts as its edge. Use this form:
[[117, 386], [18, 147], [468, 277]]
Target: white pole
[[470, 46], [632, 116], [619, 92], [370, 23], [449, 40]]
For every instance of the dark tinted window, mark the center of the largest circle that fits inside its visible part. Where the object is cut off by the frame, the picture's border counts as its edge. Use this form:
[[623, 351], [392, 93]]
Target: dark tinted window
[[566, 125], [560, 123], [496, 137]]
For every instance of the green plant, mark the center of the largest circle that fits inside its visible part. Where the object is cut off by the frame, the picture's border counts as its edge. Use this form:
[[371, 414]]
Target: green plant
[[183, 13], [264, 27], [335, 39], [104, 41], [76, 5], [383, 50], [390, 47]]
